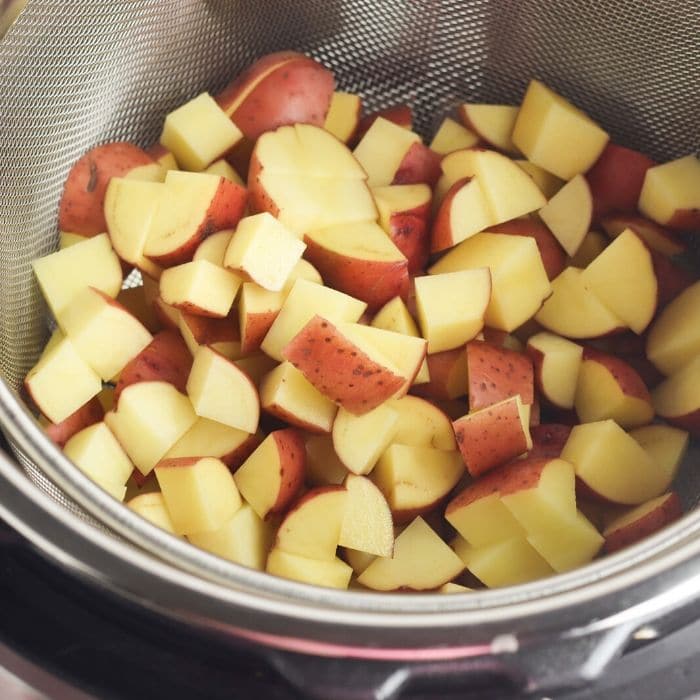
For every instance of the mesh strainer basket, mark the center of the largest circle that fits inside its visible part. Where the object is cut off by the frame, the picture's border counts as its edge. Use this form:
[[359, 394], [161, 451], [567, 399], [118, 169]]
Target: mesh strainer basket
[[79, 72]]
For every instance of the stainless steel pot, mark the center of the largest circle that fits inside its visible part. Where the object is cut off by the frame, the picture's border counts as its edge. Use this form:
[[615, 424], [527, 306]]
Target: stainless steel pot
[[83, 71]]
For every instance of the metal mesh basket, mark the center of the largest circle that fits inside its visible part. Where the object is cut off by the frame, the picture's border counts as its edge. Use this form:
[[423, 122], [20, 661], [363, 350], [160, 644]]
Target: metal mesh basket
[[76, 73]]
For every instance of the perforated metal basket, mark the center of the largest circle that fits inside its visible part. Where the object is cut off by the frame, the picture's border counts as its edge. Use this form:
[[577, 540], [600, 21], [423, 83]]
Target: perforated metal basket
[[79, 72]]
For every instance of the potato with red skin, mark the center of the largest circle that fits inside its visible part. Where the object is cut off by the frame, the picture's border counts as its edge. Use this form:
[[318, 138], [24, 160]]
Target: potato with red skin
[[402, 115], [492, 436], [655, 236], [358, 260], [221, 209], [166, 359], [279, 89], [81, 209], [462, 213], [339, 369], [642, 521], [548, 440], [671, 279], [608, 387], [273, 474], [616, 179], [88, 414], [221, 333], [551, 252], [420, 164], [495, 374], [448, 375]]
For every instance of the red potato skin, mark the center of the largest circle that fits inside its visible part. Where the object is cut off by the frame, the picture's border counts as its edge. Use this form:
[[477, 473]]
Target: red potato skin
[[630, 348], [339, 369], [616, 179], [496, 374], [514, 476], [258, 198], [689, 421], [166, 359], [157, 152], [398, 114], [224, 212], [665, 513], [630, 383], [254, 327], [420, 164], [87, 415], [298, 91], [548, 440], [444, 368], [671, 279], [373, 281], [655, 236], [552, 254], [441, 237], [409, 232], [535, 413], [160, 308], [406, 515], [81, 209], [240, 86], [207, 331], [286, 417], [238, 157], [236, 457], [292, 462], [685, 220], [490, 437]]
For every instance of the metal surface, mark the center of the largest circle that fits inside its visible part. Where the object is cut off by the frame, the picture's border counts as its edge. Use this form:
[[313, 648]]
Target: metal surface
[[76, 73]]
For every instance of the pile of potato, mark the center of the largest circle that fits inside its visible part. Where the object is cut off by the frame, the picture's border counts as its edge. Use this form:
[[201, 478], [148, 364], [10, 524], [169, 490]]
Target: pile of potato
[[357, 360]]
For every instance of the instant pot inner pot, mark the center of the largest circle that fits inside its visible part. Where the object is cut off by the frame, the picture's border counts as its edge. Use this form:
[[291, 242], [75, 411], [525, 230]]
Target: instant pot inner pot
[[74, 74]]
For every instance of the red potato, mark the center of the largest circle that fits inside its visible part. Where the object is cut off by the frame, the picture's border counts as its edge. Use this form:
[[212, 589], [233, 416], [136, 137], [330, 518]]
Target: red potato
[[551, 252], [194, 206], [477, 513], [207, 438], [642, 521], [448, 375], [616, 179], [656, 237], [81, 209], [493, 436], [548, 440], [165, 359], [677, 399], [402, 115], [308, 180], [419, 165], [273, 474], [495, 374], [279, 89], [340, 369], [612, 464], [359, 260], [671, 193], [87, 415], [462, 213], [671, 279], [608, 387], [163, 156], [502, 339], [556, 363], [257, 310], [343, 115], [416, 479], [404, 213], [168, 316], [221, 333], [313, 524]]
